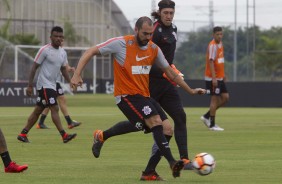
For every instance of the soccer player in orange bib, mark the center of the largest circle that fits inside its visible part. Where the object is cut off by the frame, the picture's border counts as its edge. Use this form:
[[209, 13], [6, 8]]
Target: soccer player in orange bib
[[134, 56], [215, 79]]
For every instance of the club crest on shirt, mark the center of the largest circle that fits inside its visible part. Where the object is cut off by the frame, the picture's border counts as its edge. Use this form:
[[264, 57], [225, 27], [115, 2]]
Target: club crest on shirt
[[130, 42]]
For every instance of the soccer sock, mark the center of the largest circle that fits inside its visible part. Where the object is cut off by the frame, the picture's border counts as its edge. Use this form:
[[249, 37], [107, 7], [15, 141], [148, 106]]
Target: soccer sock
[[122, 127], [155, 156], [162, 143], [42, 119], [207, 115], [62, 132], [6, 158], [68, 119], [24, 131], [180, 133], [212, 118]]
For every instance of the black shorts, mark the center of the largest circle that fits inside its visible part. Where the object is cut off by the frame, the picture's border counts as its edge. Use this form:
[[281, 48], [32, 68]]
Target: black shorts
[[59, 89], [221, 88], [137, 108], [46, 97]]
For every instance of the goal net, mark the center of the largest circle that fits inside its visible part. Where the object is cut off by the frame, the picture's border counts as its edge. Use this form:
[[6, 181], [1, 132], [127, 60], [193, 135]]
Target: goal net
[[16, 62]]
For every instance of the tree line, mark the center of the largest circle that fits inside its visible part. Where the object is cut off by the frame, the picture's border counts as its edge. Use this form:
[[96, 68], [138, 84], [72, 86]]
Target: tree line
[[258, 59]]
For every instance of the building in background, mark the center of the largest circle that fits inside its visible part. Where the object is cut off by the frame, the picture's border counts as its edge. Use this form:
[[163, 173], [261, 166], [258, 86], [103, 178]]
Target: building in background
[[85, 23], [94, 20]]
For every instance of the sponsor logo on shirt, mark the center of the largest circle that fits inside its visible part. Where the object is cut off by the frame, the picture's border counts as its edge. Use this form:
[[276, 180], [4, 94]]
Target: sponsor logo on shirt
[[141, 69], [220, 60], [141, 58]]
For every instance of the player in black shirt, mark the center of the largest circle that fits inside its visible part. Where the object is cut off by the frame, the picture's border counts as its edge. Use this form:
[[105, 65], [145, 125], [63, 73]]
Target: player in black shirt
[[163, 90]]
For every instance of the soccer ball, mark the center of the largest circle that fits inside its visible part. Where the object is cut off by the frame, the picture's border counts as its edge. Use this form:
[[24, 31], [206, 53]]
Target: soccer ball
[[203, 164]]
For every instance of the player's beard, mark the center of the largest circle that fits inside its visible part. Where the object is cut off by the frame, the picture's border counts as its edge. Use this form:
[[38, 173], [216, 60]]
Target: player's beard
[[141, 43]]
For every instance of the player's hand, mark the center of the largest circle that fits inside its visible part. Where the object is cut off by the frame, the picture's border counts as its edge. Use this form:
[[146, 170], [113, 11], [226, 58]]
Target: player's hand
[[72, 69], [29, 91], [76, 81], [199, 91]]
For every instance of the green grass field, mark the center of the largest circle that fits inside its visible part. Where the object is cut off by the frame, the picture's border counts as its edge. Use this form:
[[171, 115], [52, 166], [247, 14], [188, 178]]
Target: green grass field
[[248, 151]]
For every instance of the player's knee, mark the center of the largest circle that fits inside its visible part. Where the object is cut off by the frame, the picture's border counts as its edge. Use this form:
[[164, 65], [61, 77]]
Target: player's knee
[[168, 130], [153, 121], [54, 108], [167, 127], [225, 97]]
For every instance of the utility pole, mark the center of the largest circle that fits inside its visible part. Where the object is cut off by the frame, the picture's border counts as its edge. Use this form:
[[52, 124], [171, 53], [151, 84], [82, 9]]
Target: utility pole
[[254, 42], [235, 44], [247, 38], [211, 11], [153, 7]]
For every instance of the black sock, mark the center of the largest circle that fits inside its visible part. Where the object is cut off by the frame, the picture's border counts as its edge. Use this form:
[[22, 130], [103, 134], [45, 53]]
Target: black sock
[[155, 157], [207, 115], [24, 131], [68, 119], [180, 133], [6, 158], [42, 119], [162, 143], [181, 141], [121, 127], [212, 119], [62, 132]]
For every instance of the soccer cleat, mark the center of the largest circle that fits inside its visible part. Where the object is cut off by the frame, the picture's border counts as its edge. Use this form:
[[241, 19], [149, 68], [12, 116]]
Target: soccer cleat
[[187, 164], [68, 137], [41, 126], [23, 138], [15, 168], [98, 143], [216, 128], [176, 167], [151, 176], [74, 124], [206, 121]]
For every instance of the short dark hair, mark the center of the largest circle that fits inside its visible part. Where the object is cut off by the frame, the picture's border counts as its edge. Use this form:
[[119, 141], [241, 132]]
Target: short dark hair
[[166, 4], [163, 4], [139, 23], [57, 29], [217, 29]]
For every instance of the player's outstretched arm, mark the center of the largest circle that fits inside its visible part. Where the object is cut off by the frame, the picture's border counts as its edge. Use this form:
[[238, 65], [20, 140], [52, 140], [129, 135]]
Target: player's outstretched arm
[[172, 75], [76, 79]]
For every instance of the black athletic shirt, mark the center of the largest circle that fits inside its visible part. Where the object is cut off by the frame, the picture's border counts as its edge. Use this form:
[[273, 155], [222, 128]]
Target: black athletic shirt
[[165, 37]]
